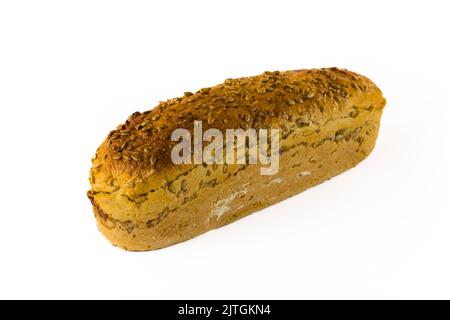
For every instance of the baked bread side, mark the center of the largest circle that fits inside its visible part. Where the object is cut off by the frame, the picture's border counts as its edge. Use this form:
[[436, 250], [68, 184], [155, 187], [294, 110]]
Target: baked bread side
[[328, 121]]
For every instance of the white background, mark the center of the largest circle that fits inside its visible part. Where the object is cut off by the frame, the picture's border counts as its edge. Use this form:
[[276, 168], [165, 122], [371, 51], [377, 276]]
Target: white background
[[70, 71]]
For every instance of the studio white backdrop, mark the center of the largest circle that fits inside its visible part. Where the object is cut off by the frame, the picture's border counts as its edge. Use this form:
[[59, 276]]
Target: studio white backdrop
[[70, 71]]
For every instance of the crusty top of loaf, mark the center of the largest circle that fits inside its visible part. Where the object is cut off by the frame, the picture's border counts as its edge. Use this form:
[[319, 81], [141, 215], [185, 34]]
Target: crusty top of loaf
[[138, 151]]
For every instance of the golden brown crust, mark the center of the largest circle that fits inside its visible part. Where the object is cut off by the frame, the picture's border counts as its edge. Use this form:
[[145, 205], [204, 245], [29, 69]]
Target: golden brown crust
[[135, 185]]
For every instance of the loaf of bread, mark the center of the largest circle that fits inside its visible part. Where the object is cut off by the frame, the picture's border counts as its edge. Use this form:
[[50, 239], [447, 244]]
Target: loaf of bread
[[328, 121]]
